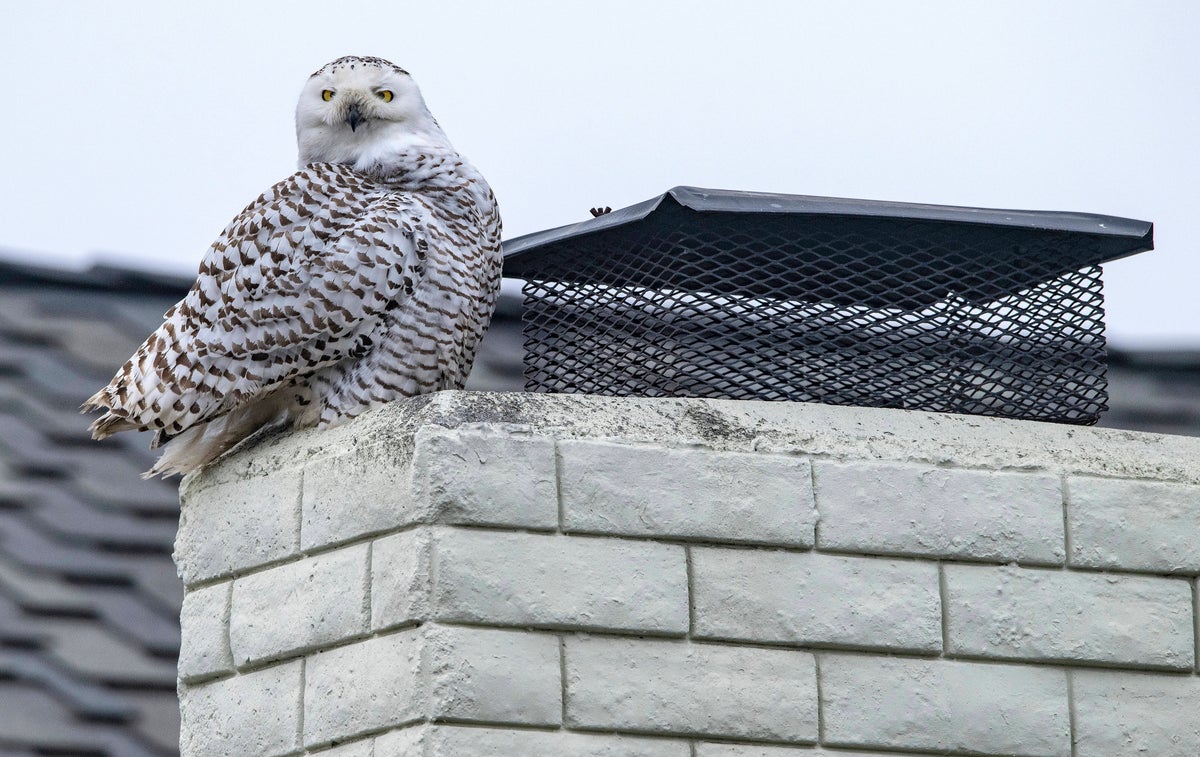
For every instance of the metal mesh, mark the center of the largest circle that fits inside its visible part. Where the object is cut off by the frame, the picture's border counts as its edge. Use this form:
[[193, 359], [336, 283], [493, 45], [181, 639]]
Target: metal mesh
[[877, 312]]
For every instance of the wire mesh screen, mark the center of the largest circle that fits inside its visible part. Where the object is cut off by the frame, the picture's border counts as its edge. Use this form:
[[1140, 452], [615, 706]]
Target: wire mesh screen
[[879, 312]]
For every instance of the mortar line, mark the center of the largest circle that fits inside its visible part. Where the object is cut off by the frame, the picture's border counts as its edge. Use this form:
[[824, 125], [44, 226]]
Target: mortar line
[[812, 484], [1195, 583], [943, 593], [1071, 709], [820, 701], [300, 698], [691, 591], [323, 747], [562, 676], [675, 539], [721, 641]]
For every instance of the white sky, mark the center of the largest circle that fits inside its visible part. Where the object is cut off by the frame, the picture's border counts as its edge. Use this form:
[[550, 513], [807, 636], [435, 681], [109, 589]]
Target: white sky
[[132, 132]]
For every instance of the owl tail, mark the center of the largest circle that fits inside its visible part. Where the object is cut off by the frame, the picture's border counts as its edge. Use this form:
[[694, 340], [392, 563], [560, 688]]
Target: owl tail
[[206, 442]]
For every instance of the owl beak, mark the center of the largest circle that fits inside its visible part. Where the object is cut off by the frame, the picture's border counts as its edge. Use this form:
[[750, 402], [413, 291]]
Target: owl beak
[[354, 117]]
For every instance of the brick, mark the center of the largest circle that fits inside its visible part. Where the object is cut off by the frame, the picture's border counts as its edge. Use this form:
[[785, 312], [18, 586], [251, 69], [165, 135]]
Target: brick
[[412, 741], [449, 741], [485, 675], [676, 687], [561, 581], [899, 509], [647, 491], [1134, 525], [400, 578], [299, 606], [1021, 613], [232, 527], [363, 687], [1135, 713], [477, 476], [811, 598], [253, 713], [204, 639], [364, 491], [894, 703]]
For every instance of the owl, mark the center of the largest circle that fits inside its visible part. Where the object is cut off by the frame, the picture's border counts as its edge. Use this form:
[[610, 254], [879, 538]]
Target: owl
[[368, 275]]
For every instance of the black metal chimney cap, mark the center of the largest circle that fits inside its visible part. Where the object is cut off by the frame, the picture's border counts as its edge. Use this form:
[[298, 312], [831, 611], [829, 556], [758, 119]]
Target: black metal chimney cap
[[1106, 238]]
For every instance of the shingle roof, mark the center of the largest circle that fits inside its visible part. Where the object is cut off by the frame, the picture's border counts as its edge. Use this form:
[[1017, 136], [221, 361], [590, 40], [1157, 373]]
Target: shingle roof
[[1154, 390], [89, 598]]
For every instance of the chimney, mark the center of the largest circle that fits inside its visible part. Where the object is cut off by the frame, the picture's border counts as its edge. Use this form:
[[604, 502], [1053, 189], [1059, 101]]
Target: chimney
[[525, 574]]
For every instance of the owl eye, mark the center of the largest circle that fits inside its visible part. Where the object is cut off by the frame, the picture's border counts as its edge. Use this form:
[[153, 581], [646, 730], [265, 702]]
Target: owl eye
[[385, 95], [327, 95]]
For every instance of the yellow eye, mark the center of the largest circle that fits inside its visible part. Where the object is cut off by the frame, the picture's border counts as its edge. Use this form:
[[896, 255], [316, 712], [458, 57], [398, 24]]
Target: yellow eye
[[327, 95], [385, 95]]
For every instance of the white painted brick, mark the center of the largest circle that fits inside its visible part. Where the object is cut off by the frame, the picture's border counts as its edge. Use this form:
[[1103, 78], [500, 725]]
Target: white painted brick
[[204, 639], [544, 580], [712, 749], [493, 676], [648, 491], [232, 527], [400, 579], [479, 476], [811, 598], [1134, 525], [919, 510], [1010, 612], [451, 741], [885, 702], [498, 691], [363, 687], [363, 491], [1135, 713], [253, 713], [680, 687], [412, 741], [299, 606]]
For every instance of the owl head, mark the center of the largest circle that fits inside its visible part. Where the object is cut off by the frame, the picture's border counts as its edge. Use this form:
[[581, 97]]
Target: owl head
[[357, 109]]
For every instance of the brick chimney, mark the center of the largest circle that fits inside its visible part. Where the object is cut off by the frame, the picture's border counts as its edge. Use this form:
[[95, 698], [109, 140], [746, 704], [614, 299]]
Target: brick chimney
[[485, 574]]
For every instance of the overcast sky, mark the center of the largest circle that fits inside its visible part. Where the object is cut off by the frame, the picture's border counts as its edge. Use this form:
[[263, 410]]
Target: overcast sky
[[132, 132]]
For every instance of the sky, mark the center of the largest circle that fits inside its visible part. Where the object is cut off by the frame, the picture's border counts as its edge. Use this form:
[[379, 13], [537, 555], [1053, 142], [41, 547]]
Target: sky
[[132, 132]]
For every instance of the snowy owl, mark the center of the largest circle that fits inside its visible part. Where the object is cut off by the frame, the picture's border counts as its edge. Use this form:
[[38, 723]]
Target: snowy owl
[[368, 275]]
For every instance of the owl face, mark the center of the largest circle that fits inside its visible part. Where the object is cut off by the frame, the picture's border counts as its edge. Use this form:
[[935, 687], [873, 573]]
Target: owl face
[[355, 106]]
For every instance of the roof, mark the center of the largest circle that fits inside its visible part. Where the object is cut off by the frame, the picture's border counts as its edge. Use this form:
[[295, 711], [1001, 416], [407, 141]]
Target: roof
[[89, 600], [89, 597]]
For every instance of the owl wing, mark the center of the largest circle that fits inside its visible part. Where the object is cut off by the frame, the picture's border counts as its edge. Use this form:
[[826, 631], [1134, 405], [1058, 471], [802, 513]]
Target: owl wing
[[296, 282]]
